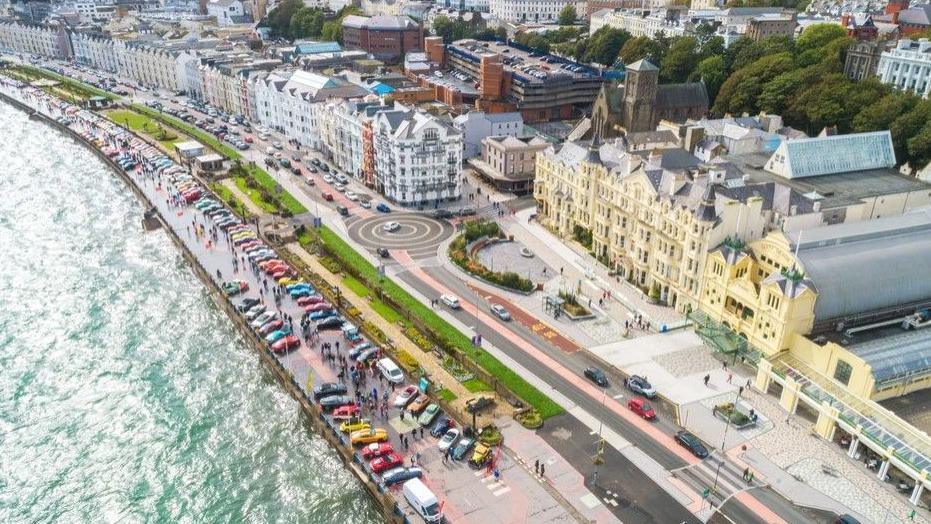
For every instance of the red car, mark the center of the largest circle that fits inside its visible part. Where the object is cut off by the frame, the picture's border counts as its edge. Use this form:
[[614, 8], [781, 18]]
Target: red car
[[328, 196], [347, 411], [287, 343], [642, 408], [376, 449], [271, 270], [247, 139], [312, 299], [274, 325], [282, 272], [319, 306], [391, 460], [268, 263]]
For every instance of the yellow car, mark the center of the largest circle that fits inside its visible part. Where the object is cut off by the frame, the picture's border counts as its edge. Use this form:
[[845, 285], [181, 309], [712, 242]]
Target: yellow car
[[287, 281], [480, 456], [367, 436], [355, 424]]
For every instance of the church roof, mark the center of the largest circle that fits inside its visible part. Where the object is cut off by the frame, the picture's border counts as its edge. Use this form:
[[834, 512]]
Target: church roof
[[689, 94]]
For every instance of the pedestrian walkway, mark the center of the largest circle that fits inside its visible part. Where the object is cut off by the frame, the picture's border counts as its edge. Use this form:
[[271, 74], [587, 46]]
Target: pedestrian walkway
[[578, 265], [440, 376]]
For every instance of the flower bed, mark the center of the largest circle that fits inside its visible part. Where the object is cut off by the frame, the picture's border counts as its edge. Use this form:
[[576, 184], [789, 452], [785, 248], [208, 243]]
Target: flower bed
[[572, 307], [459, 252], [529, 418], [728, 411], [456, 369]]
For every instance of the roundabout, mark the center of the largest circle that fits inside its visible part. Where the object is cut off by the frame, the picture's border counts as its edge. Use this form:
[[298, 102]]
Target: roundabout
[[418, 234]]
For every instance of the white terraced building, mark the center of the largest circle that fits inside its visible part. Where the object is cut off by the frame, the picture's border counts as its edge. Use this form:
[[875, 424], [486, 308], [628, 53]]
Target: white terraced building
[[907, 66], [292, 102], [418, 157], [35, 40], [542, 11]]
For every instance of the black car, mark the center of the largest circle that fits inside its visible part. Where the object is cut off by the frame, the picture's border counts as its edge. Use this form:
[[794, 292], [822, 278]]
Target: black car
[[396, 475], [691, 443], [597, 376], [383, 252], [329, 388], [330, 323], [247, 304], [334, 401], [475, 405], [440, 427], [442, 213], [296, 170]]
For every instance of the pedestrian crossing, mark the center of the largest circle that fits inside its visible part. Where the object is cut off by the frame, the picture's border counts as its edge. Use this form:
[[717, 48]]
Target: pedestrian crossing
[[721, 478], [496, 487]]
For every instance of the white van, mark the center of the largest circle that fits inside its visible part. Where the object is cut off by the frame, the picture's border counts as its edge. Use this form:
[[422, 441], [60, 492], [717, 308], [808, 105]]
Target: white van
[[390, 370], [423, 500], [451, 301]]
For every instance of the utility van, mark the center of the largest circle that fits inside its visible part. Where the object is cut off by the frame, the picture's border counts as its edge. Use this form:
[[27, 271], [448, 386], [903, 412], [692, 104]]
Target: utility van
[[390, 370], [423, 500]]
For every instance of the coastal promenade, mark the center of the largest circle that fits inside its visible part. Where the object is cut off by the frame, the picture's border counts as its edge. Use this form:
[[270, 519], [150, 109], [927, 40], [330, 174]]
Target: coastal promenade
[[467, 497]]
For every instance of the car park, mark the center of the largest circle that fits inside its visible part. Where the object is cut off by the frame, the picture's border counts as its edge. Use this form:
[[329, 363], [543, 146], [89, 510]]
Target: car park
[[597, 376]]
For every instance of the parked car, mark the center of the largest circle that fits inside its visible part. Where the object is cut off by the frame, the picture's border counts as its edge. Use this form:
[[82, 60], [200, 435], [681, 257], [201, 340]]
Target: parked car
[[346, 411], [442, 213], [383, 252], [398, 475], [480, 456], [330, 323], [429, 415], [286, 344], [417, 405], [355, 424], [383, 207], [642, 408], [391, 227], [247, 304], [334, 401], [449, 439], [462, 448], [639, 384], [376, 449], [328, 196], [406, 396], [368, 436], [440, 427], [597, 376], [386, 462], [691, 443], [329, 388]]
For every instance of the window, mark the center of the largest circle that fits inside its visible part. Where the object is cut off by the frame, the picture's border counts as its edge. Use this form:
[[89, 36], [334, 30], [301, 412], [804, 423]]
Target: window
[[842, 372]]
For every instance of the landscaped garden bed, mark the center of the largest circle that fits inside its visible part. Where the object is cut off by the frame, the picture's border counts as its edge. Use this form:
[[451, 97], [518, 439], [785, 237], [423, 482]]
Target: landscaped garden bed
[[475, 236], [572, 307], [729, 412]]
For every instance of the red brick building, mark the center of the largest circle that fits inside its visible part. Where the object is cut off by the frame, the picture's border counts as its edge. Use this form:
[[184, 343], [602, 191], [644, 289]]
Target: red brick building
[[387, 38]]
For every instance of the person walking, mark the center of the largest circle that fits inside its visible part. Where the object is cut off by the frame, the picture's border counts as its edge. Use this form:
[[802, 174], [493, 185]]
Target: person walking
[[706, 379], [536, 466], [542, 470]]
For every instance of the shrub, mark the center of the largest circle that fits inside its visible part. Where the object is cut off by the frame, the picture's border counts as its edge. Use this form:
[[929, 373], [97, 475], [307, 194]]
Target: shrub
[[417, 338], [353, 312], [530, 419], [582, 236], [330, 264], [490, 435], [480, 228], [407, 361]]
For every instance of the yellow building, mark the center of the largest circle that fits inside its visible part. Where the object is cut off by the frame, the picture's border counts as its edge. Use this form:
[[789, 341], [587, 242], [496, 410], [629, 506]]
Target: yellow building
[[847, 301], [652, 218]]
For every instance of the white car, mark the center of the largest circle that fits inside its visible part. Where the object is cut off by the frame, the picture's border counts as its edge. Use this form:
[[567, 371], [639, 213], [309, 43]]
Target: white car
[[255, 311], [365, 204], [277, 145], [352, 196], [451, 301], [263, 136], [263, 319], [391, 227], [406, 396], [340, 187], [328, 179], [449, 439]]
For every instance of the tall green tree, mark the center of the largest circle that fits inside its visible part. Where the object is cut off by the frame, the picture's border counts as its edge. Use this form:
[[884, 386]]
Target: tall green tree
[[817, 36], [638, 48], [740, 92], [567, 16], [712, 72], [681, 59], [882, 113], [604, 45]]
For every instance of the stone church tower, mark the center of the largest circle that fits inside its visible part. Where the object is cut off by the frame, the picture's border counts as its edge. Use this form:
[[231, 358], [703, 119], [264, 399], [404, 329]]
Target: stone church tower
[[640, 86]]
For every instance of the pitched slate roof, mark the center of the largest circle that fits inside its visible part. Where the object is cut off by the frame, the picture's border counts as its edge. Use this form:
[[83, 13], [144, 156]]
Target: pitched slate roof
[[689, 94]]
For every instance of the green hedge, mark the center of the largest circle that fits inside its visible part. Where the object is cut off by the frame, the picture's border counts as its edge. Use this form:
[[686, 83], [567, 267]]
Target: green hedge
[[442, 331]]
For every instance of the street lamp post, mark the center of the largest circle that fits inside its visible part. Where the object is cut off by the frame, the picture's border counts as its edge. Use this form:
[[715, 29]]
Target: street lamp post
[[598, 459]]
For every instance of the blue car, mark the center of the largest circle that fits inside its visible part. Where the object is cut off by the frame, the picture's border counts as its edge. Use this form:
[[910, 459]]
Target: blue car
[[383, 207], [302, 285], [320, 315], [302, 292], [354, 352], [275, 336]]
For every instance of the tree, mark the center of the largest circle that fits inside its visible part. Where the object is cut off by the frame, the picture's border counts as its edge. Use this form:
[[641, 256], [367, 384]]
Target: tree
[[908, 125], [637, 49], [567, 16], [882, 113], [745, 51], [681, 59], [919, 148], [780, 90], [279, 19], [332, 32], [817, 36], [604, 45], [306, 22], [712, 72], [740, 92]]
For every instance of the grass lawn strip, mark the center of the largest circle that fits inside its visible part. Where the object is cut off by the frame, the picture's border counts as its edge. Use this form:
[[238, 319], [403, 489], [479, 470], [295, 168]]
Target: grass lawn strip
[[452, 337]]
